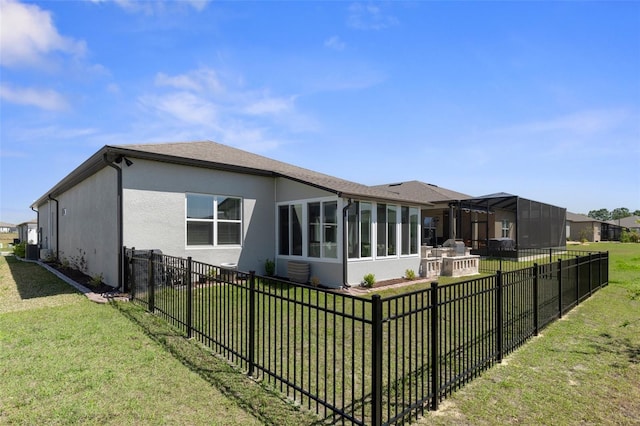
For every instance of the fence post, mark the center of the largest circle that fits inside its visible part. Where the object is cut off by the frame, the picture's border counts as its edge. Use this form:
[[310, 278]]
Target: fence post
[[599, 269], [536, 278], [499, 310], [376, 360], [132, 274], [590, 274], [607, 266], [577, 280], [550, 255], [435, 348], [151, 282], [189, 298], [252, 321], [560, 288]]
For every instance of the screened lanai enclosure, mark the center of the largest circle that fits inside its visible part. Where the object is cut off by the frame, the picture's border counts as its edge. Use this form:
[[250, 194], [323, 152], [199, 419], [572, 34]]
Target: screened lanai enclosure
[[504, 222]]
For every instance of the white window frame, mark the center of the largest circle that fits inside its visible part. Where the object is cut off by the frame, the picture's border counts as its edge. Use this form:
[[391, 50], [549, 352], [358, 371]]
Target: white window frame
[[214, 221], [305, 228], [506, 228]]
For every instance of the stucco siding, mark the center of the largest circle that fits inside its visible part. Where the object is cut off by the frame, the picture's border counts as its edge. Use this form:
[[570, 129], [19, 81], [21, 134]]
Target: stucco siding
[[383, 269], [154, 198], [289, 190], [87, 223]]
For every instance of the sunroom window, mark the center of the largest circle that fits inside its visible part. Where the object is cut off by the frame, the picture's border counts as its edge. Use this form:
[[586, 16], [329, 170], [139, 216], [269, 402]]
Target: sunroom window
[[308, 229], [322, 219]]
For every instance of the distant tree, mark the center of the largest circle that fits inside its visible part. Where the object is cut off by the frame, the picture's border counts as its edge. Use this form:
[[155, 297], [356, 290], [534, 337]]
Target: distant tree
[[620, 213], [602, 214], [636, 213]]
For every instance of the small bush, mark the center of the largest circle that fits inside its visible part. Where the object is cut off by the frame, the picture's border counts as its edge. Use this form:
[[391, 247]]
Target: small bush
[[410, 274], [315, 281], [96, 280], [20, 249], [269, 267], [369, 280], [629, 237]]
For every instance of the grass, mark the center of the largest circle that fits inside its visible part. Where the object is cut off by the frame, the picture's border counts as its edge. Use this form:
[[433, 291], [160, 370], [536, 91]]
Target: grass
[[583, 369], [66, 360], [6, 241]]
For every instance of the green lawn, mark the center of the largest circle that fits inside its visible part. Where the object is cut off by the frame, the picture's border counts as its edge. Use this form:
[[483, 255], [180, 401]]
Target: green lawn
[[583, 369], [66, 360]]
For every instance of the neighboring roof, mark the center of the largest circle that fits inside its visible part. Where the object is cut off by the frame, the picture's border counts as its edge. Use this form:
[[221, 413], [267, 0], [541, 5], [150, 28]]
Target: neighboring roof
[[29, 222], [627, 222], [6, 225], [213, 155], [575, 217], [423, 192]]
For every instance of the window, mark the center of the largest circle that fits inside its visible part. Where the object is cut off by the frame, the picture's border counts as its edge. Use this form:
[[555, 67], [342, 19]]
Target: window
[[505, 228], [330, 229], [213, 220], [315, 229], [409, 232], [359, 223], [381, 234], [320, 221], [386, 230], [290, 230]]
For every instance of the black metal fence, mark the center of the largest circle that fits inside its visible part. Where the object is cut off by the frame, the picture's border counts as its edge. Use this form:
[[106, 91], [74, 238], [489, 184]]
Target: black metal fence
[[508, 260], [356, 360]]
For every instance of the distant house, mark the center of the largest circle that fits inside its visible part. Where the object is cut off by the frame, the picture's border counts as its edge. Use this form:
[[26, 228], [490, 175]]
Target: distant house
[[6, 228], [631, 223], [28, 231], [492, 221], [581, 227], [222, 205]]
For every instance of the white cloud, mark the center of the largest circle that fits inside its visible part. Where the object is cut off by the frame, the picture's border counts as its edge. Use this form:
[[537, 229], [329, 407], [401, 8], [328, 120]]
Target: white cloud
[[45, 99], [210, 106], [369, 17], [28, 35], [197, 80], [269, 105], [156, 6], [580, 123], [335, 43], [183, 106]]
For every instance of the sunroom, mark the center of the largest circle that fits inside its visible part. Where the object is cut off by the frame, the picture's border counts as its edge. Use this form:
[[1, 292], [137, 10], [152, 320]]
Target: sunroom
[[341, 239]]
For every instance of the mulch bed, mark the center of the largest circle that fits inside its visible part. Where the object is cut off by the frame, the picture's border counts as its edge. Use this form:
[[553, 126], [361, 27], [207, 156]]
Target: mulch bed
[[82, 279]]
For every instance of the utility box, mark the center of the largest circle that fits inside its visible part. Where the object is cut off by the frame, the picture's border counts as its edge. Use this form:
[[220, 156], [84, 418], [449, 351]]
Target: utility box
[[32, 252]]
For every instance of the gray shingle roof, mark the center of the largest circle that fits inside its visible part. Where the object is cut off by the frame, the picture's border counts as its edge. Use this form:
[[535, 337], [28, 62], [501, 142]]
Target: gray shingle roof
[[574, 217], [424, 192], [217, 154]]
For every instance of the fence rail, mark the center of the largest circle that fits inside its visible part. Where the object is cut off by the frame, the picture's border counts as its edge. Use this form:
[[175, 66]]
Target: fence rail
[[357, 360], [508, 260]]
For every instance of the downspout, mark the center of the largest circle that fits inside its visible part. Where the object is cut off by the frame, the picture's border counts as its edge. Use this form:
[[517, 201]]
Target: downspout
[[345, 247], [57, 226], [119, 225]]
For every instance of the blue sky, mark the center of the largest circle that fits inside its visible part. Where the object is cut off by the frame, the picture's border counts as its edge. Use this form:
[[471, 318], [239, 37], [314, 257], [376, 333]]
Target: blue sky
[[538, 99]]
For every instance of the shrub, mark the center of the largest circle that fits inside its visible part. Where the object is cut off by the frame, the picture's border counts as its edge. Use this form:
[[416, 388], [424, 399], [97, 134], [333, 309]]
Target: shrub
[[20, 249], [409, 274], [269, 267], [629, 237], [369, 280], [315, 281], [96, 280]]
